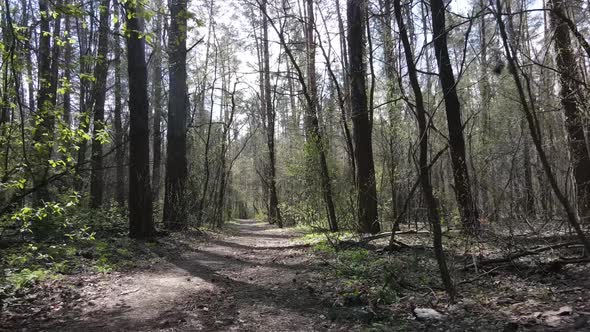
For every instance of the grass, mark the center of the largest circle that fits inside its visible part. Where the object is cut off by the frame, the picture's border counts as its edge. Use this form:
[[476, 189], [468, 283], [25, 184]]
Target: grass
[[322, 239]]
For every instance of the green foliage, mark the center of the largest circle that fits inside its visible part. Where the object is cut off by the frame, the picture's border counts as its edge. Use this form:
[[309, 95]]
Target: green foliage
[[363, 273], [26, 277], [261, 215], [301, 213], [68, 240], [46, 220]]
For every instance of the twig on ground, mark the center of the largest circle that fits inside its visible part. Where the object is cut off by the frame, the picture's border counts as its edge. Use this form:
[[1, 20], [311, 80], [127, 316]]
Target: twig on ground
[[528, 252], [478, 276]]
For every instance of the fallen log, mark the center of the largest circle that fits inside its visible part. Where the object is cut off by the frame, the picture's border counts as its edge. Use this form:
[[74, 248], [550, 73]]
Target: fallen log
[[525, 253], [558, 264], [388, 234]]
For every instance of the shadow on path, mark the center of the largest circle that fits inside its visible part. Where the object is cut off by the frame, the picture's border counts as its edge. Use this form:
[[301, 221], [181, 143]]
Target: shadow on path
[[254, 280]]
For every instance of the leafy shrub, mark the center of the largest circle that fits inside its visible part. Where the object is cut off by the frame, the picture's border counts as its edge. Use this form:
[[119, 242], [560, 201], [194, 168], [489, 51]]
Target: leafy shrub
[[302, 213], [25, 277], [60, 239], [365, 274]]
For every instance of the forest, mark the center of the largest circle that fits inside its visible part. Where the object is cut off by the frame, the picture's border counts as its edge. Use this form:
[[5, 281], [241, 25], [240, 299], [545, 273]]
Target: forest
[[294, 165]]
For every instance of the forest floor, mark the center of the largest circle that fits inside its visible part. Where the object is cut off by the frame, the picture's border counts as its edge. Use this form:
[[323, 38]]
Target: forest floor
[[256, 277]]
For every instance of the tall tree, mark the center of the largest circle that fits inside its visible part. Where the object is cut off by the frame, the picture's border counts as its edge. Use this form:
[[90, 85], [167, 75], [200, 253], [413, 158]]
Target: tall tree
[[176, 162], [424, 167], [274, 211], [157, 107], [141, 223], [100, 75], [84, 29], [528, 107], [390, 59], [118, 116], [344, 64], [485, 95], [312, 126], [574, 117], [366, 184], [465, 201], [45, 107], [55, 53], [67, 98]]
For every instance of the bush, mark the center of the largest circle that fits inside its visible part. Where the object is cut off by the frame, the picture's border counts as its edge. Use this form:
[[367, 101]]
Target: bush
[[364, 275], [302, 213], [58, 239]]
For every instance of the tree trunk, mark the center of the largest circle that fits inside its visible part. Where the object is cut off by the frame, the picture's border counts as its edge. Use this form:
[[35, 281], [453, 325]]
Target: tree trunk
[[157, 118], [312, 123], [141, 223], [345, 66], [28, 61], [67, 116], [529, 112], [424, 172], [467, 206], [484, 90], [55, 54], [392, 112], [119, 145], [100, 74], [45, 108], [274, 212], [529, 193], [574, 118], [176, 162], [83, 117], [313, 132], [366, 184]]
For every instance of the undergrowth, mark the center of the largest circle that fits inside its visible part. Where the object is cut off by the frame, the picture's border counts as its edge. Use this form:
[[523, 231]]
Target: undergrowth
[[68, 242], [367, 276]]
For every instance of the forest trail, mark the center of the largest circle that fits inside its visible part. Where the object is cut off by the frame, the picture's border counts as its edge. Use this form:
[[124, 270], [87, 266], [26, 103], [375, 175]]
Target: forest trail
[[255, 279]]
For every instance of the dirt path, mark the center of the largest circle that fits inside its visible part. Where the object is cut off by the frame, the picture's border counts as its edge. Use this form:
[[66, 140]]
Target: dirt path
[[255, 280]]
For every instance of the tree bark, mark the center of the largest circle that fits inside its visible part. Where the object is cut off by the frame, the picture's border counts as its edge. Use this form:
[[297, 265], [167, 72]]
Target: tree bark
[[67, 105], [529, 112], [140, 193], [366, 184], [119, 145], [574, 118], [158, 102], [176, 162], [529, 192], [45, 107], [55, 54], [274, 212], [465, 201], [345, 66], [100, 74], [484, 90], [390, 67], [312, 123], [424, 172], [84, 116]]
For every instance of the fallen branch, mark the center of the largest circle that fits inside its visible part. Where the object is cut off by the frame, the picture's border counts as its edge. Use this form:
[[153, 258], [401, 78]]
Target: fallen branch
[[514, 256], [388, 234], [556, 265], [478, 276]]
